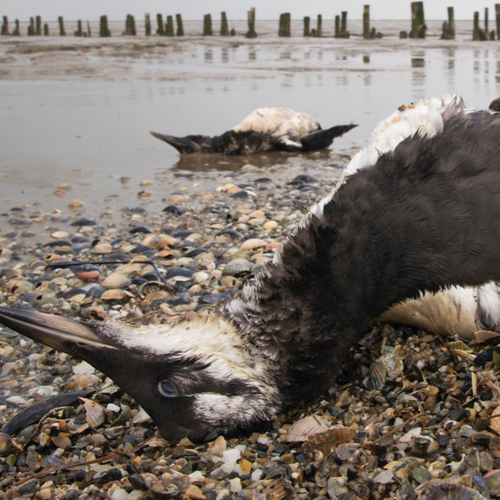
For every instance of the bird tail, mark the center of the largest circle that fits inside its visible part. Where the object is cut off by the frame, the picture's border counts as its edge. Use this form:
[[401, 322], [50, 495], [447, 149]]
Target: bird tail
[[323, 138]]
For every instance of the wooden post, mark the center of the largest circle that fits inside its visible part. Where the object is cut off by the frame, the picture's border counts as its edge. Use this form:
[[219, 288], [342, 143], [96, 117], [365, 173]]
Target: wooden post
[[486, 21], [79, 31], [147, 24], [89, 32], [104, 31], [159, 20], [418, 27], [449, 26], [31, 27], [180, 27], [224, 27], [5, 26], [319, 26], [60, 20], [17, 31], [169, 26], [285, 22], [130, 25], [343, 25], [39, 25], [207, 25], [475, 27], [45, 29], [337, 27], [497, 19], [366, 22], [251, 33], [307, 27]]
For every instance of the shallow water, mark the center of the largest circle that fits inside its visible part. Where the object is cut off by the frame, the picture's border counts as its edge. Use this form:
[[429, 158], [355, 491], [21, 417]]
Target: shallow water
[[90, 127]]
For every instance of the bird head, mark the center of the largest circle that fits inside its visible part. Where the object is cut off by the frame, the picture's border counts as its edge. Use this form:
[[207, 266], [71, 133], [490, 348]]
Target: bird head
[[196, 379]]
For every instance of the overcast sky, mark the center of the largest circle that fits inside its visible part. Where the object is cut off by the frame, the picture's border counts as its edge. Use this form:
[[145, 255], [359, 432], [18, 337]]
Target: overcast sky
[[235, 9]]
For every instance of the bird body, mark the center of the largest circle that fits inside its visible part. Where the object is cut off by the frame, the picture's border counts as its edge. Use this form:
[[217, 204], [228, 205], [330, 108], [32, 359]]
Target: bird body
[[265, 129], [422, 219]]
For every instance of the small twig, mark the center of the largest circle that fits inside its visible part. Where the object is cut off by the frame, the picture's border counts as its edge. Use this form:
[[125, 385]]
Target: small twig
[[54, 470]]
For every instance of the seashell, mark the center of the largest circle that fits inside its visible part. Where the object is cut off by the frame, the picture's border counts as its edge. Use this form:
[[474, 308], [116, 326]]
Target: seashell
[[451, 491], [89, 275], [270, 224], [80, 382], [124, 415], [59, 235], [304, 428], [116, 280], [173, 209], [237, 267], [458, 344], [8, 445], [377, 375], [83, 221], [102, 248], [76, 204], [179, 274], [495, 420], [275, 489], [95, 415], [141, 229], [484, 357], [485, 335], [466, 356], [252, 244], [152, 287], [326, 441], [116, 294]]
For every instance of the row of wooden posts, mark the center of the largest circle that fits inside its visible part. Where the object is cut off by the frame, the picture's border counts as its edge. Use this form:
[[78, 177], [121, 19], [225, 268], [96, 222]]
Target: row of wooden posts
[[166, 28]]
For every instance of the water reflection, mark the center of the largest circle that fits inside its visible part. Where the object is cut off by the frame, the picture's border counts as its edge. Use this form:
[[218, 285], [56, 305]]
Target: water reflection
[[417, 62], [209, 56], [366, 59], [225, 54], [252, 53]]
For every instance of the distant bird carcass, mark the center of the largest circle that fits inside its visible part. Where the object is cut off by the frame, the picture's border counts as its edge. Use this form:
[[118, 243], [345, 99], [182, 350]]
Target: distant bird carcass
[[415, 218], [265, 129]]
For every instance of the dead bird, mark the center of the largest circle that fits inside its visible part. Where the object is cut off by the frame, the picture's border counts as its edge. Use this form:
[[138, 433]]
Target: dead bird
[[423, 218], [265, 129]]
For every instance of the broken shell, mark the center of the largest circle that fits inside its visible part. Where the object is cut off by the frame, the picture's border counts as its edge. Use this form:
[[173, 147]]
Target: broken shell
[[485, 335], [304, 428], [94, 412], [326, 441], [7, 445], [451, 491], [377, 375]]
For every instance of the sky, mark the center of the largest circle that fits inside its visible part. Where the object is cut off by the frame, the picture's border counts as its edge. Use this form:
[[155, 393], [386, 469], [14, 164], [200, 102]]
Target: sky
[[236, 9]]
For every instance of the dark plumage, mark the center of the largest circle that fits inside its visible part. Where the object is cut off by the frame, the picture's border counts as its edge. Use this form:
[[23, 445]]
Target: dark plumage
[[423, 218], [265, 129]]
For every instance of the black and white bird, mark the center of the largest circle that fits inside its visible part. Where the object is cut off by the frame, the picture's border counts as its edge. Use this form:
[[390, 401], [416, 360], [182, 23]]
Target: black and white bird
[[265, 129], [414, 217]]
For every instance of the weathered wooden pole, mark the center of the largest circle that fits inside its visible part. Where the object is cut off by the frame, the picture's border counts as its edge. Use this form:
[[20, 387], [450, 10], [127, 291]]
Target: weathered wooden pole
[[159, 21], [287, 22], [497, 19], [366, 22], [31, 27], [337, 27], [251, 33], [89, 31], [418, 27], [207, 25], [307, 26], [319, 26], [475, 27], [130, 25], [449, 26], [180, 27], [343, 23], [224, 27], [45, 29], [169, 26], [60, 20], [147, 24], [17, 30], [104, 31], [39, 25], [5, 26], [79, 31], [486, 20]]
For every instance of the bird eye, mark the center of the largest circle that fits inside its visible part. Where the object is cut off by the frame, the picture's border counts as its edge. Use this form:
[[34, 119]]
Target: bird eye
[[167, 389]]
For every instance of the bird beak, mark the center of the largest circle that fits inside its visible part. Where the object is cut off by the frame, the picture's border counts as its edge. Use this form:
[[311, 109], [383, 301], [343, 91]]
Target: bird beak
[[182, 144], [54, 331]]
